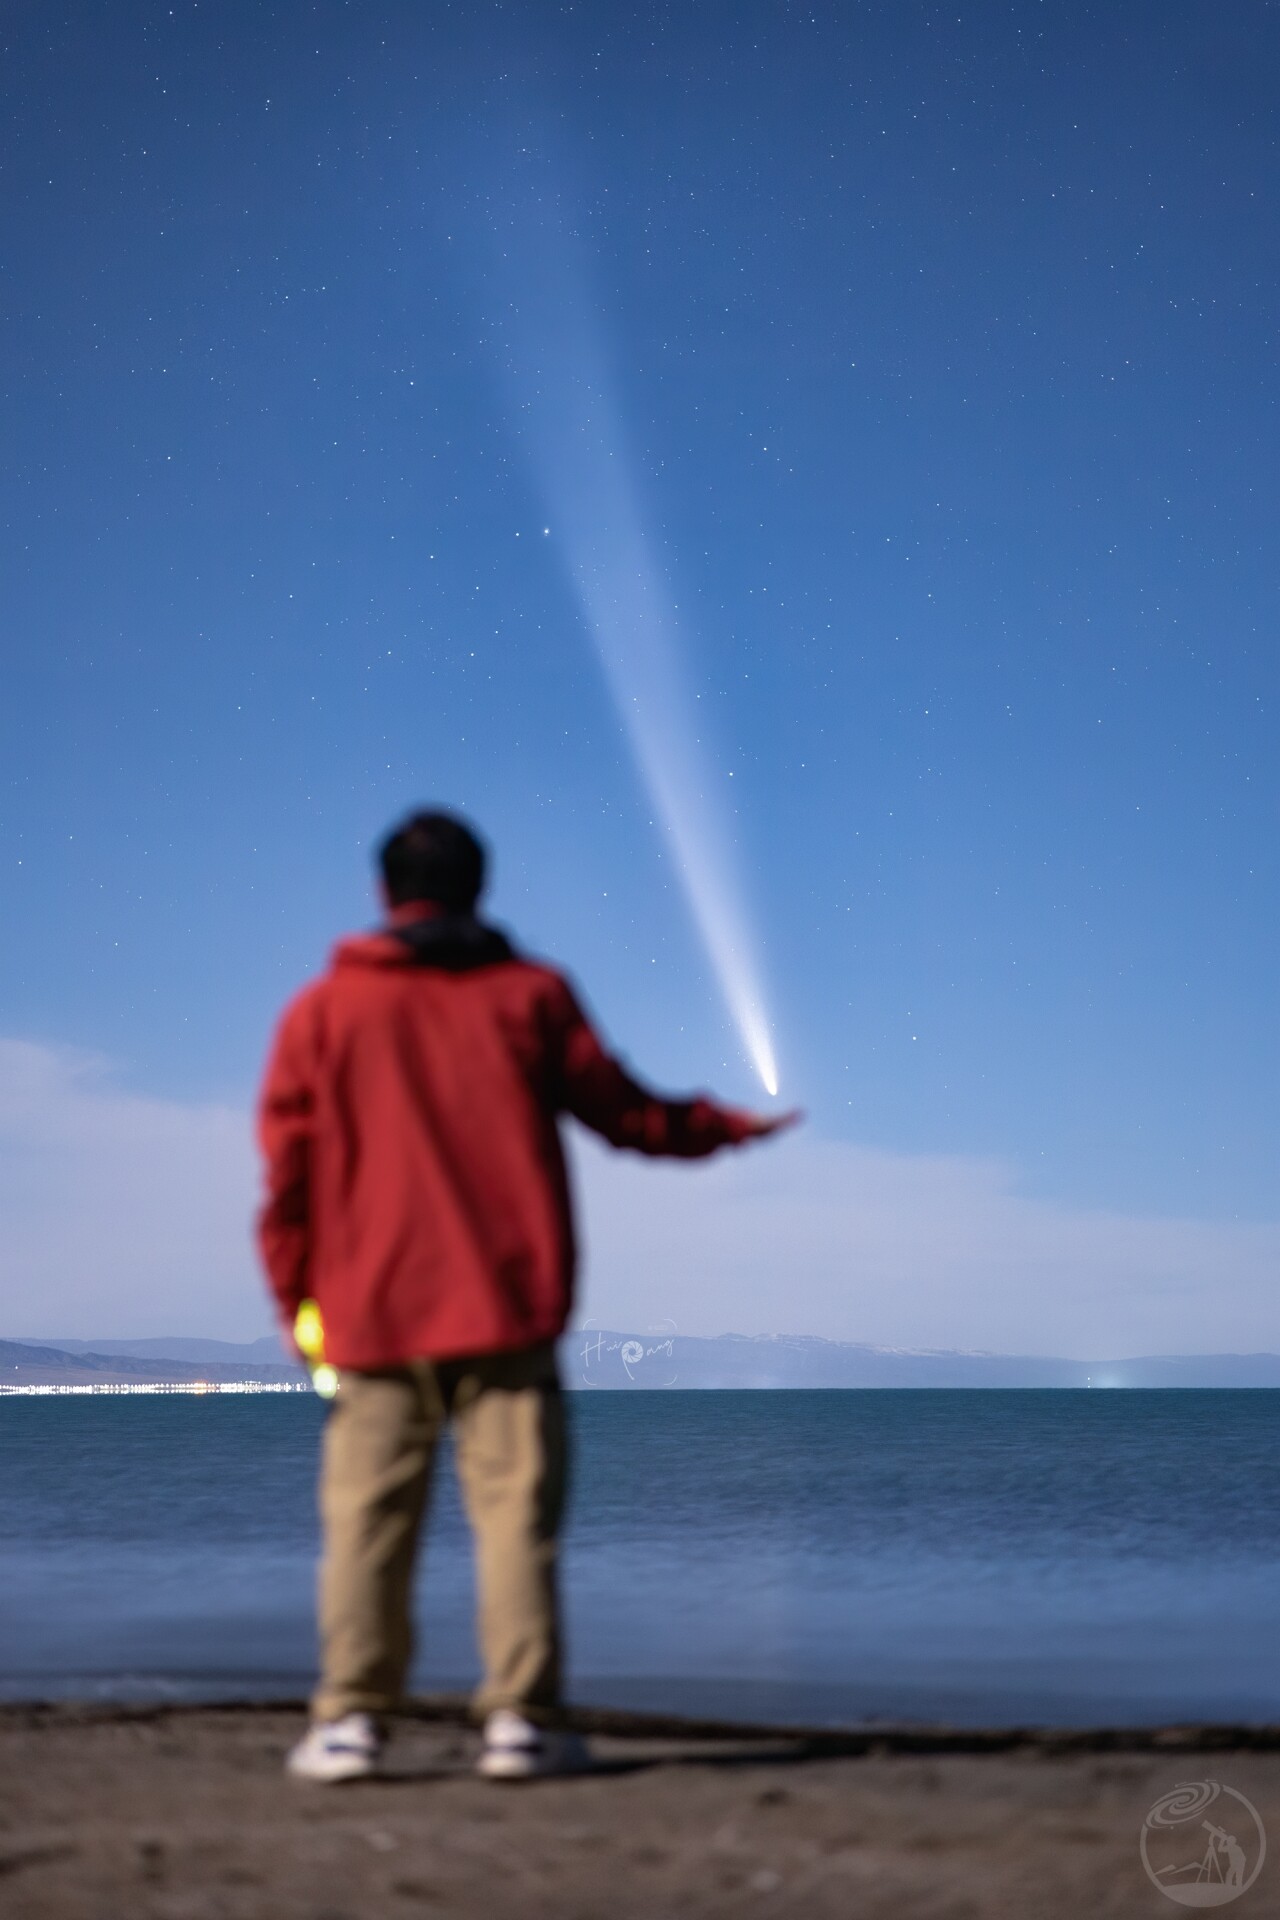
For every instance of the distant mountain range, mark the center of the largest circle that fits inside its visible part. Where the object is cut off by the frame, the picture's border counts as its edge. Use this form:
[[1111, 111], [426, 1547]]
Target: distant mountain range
[[599, 1357], [264, 1352]]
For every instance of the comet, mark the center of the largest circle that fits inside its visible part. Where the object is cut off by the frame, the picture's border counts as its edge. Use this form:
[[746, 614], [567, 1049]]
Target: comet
[[560, 389]]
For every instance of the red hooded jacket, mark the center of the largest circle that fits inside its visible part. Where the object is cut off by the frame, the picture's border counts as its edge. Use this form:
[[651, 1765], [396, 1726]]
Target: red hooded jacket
[[415, 1183]]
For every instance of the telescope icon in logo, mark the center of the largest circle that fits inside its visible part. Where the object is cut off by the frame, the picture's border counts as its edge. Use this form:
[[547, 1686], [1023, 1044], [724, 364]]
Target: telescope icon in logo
[[1197, 1861]]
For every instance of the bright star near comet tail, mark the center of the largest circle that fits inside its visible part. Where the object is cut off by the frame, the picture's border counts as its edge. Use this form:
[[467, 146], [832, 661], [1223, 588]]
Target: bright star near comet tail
[[559, 388]]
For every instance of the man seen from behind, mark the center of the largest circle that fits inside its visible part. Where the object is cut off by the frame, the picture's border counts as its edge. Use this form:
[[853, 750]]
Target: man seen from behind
[[416, 1192]]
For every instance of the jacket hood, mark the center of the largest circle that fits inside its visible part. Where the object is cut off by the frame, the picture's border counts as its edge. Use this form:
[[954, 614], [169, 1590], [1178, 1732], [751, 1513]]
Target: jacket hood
[[451, 942]]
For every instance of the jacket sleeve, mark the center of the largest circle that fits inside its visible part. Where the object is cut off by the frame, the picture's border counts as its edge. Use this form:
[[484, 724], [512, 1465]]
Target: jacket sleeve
[[286, 1121], [596, 1089]]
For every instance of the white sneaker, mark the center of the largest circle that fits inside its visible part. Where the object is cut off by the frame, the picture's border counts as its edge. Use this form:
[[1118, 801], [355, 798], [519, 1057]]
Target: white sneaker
[[334, 1750], [516, 1749]]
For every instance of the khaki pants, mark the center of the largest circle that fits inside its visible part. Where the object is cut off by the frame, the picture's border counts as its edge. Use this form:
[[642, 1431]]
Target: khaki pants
[[379, 1444]]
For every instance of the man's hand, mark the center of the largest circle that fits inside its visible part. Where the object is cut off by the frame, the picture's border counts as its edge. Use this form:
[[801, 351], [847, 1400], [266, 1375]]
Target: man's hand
[[758, 1126]]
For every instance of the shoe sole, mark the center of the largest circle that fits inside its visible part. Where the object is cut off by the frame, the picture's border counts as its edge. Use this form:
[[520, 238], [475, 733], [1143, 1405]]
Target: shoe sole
[[509, 1766], [336, 1776], [523, 1766]]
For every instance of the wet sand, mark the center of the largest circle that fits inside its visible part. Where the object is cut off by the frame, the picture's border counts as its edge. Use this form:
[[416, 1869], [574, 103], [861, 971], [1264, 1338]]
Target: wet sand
[[184, 1814]]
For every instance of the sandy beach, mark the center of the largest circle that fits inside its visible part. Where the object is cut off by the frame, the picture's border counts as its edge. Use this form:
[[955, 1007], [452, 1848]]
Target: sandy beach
[[184, 1814]]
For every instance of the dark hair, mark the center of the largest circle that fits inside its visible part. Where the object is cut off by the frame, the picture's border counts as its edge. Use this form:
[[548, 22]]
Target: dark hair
[[433, 856]]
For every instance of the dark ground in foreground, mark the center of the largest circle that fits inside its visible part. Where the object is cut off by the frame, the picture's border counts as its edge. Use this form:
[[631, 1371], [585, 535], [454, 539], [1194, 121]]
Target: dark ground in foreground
[[185, 1815]]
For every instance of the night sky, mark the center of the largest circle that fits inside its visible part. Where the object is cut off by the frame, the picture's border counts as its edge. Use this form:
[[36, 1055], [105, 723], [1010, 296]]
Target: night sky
[[941, 346]]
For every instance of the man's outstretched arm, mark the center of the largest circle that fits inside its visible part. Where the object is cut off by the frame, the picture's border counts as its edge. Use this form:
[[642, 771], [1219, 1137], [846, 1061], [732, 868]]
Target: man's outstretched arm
[[596, 1089]]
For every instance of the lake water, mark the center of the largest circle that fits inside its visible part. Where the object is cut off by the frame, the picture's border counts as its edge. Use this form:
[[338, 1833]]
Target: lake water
[[977, 1557]]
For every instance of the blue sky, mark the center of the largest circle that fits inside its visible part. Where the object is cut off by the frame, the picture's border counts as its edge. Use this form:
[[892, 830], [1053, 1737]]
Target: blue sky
[[942, 347]]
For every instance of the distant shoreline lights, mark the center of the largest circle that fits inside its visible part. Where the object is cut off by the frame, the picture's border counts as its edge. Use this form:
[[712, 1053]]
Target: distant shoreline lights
[[45, 1388]]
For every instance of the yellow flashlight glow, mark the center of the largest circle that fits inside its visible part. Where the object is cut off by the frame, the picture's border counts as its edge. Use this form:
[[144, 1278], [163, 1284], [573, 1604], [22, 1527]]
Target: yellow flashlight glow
[[308, 1334]]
